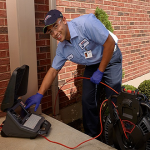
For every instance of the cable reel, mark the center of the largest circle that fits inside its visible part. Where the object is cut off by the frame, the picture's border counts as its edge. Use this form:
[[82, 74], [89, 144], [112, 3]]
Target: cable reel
[[127, 126]]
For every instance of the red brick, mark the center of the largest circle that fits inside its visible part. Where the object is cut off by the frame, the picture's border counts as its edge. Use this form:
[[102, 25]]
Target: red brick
[[88, 11], [44, 62], [117, 9], [41, 56], [94, 6], [107, 3], [2, 5], [3, 38], [61, 9], [39, 1], [67, 63], [63, 70], [39, 15], [46, 99], [3, 14], [98, 2], [121, 4], [37, 50], [75, 4], [4, 61], [47, 42], [48, 55], [42, 8], [63, 99], [47, 2], [5, 22], [40, 43], [4, 46], [74, 15], [71, 68], [2, 91], [3, 54], [67, 16], [43, 75], [3, 84], [66, 75], [2, 22], [69, 10], [84, 5], [64, 3], [90, 1], [3, 68]]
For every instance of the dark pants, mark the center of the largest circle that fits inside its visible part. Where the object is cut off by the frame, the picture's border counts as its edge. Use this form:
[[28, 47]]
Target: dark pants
[[112, 77]]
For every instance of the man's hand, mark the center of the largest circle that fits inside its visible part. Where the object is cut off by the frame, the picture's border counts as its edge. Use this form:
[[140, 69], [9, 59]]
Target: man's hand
[[97, 76], [35, 99]]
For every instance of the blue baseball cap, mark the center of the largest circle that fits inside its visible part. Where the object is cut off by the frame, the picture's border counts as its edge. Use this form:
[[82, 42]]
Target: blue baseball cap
[[51, 18]]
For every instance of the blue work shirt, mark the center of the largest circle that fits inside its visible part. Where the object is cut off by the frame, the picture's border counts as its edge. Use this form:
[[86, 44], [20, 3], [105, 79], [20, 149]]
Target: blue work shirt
[[87, 34]]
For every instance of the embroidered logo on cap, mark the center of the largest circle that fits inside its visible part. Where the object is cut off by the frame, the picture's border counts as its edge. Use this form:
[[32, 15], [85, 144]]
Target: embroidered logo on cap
[[48, 16], [70, 57]]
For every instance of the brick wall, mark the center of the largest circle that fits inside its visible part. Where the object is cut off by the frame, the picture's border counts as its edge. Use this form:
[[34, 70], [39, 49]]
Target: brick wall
[[4, 52], [131, 21], [43, 48], [71, 92]]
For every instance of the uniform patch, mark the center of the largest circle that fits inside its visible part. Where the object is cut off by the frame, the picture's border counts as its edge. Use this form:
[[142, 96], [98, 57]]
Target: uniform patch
[[70, 57], [83, 43]]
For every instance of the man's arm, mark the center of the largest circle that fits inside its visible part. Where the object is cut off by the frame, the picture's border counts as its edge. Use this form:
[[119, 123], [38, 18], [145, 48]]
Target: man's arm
[[107, 53], [48, 79], [36, 99]]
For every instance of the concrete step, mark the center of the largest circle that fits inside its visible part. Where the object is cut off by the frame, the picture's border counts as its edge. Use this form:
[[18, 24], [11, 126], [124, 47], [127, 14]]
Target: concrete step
[[59, 132]]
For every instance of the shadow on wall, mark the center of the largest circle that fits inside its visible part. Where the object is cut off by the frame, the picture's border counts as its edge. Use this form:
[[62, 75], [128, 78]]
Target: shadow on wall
[[76, 90]]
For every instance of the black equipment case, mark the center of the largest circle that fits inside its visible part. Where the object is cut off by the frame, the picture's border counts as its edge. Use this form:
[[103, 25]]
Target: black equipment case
[[133, 111], [20, 122]]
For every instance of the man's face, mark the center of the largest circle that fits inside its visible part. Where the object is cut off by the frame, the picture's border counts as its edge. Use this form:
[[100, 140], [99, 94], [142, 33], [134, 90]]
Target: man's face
[[59, 30]]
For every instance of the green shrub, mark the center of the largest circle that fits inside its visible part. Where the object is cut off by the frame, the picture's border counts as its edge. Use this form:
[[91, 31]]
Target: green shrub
[[123, 73], [129, 87], [103, 17], [144, 88]]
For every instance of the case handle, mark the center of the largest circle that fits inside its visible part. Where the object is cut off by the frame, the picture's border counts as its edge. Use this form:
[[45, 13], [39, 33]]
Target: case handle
[[45, 125]]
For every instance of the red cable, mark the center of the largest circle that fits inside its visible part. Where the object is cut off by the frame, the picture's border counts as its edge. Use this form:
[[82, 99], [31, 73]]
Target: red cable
[[75, 79], [122, 124], [1, 127], [84, 141], [91, 138], [100, 117]]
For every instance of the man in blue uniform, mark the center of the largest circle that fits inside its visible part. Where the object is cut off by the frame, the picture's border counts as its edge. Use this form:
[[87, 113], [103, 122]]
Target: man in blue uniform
[[85, 41]]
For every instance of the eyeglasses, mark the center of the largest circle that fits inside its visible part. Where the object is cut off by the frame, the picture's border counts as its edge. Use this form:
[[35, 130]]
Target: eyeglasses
[[55, 27]]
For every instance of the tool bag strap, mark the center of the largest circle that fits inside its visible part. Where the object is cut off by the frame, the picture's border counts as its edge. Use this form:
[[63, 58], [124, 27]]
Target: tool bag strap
[[115, 122], [111, 111]]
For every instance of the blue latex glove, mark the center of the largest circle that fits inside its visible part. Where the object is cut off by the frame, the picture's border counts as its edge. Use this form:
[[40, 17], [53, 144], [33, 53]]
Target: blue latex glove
[[97, 76], [35, 99]]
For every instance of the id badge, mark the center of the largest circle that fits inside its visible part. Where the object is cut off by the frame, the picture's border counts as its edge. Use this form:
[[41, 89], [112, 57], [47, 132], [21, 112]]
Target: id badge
[[88, 54]]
